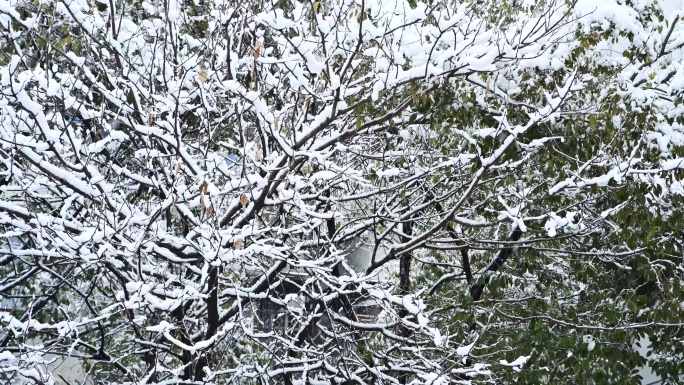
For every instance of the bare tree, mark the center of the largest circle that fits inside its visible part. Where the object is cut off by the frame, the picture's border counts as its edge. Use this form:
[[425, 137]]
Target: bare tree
[[240, 192]]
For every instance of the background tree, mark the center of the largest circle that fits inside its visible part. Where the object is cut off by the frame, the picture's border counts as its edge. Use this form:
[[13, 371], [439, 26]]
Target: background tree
[[582, 286]]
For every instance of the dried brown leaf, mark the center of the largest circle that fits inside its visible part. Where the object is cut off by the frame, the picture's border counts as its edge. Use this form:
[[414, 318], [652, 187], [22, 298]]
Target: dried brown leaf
[[203, 75], [257, 51], [177, 170]]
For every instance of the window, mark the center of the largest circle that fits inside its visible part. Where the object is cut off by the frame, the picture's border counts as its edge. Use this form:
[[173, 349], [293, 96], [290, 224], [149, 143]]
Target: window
[[271, 317]]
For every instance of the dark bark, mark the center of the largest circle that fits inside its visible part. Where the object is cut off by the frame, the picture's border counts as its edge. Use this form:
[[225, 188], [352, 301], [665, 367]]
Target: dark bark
[[466, 266], [405, 287], [505, 253]]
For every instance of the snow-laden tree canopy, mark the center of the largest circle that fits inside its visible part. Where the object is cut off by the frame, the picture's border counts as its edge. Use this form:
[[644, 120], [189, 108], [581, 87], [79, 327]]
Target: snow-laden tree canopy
[[441, 192]]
